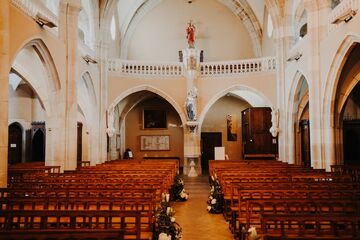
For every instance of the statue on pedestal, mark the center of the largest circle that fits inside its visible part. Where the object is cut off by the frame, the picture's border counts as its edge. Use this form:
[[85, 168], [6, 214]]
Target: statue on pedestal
[[191, 104], [274, 130], [190, 31]]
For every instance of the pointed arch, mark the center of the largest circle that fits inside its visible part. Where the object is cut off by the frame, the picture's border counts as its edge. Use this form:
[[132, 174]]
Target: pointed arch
[[46, 58], [51, 79], [149, 88], [294, 102], [223, 93], [333, 77]]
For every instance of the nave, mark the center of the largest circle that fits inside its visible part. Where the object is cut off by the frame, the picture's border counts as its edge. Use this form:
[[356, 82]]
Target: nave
[[128, 199]]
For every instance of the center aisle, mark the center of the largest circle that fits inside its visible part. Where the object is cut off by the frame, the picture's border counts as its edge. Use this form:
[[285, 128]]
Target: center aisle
[[192, 216]]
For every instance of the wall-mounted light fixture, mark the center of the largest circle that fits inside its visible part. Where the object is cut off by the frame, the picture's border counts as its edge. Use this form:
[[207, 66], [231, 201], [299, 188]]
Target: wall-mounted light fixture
[[43, 20], [89, 59], [345, 17], [295, 57]]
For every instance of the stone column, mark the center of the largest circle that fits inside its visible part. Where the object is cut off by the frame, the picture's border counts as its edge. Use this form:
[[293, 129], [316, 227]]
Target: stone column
[[72, 9], [102, 49], [191, 131], [4, 79], [313, 53], [280, 43], [328, 143]]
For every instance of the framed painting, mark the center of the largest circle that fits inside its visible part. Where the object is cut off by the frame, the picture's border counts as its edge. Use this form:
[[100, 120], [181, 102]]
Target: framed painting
[[155, 143], [154, 119], [231, 125]]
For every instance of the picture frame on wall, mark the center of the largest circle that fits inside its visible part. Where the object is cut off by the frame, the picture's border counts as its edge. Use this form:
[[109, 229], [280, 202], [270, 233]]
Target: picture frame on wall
[[154, 119], [231, 126], [155, 143]]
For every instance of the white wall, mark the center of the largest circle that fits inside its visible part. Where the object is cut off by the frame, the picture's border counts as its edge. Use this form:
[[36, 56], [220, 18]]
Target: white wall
[[161, 33]]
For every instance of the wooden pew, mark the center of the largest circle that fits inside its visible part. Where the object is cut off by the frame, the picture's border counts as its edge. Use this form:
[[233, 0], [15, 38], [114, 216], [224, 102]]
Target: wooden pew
[[45, 224]]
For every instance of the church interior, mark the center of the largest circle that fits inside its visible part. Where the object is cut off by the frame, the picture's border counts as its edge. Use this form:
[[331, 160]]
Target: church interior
[[180, 119]]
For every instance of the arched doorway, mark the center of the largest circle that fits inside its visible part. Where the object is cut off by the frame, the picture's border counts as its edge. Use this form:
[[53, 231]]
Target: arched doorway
[[351, 128], [15, 143], [149, 125], [301, 123], [38, 146], [347, 110], [216, 132]]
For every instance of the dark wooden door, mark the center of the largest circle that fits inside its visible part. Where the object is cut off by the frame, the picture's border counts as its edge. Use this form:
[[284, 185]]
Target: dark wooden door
[[305, 143], [38, 141], [15, 144], [209, 140], [79, 143], [257, 140], [351, 142]]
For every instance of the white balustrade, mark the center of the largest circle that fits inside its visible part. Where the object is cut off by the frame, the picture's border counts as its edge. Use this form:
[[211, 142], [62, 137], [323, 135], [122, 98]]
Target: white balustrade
[[126, 67], [31, 9], [238, 67], [345, 7]]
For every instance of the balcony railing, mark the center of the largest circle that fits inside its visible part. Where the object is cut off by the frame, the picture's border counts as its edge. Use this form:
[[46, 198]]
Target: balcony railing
[[238, 67], [135, 68]]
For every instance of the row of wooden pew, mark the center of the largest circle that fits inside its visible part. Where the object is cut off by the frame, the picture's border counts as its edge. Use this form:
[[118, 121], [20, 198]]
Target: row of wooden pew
[[115, 200], [285, 201]]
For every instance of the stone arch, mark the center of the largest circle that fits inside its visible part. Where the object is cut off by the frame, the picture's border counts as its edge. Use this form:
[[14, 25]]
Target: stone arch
[[223, 92], [53, 83], [149, 88], [333, 76], [33, 84], [293, 109], [333, 132], [46, 58]]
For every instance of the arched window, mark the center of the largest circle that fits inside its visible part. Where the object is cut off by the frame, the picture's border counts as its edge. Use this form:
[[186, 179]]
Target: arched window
[[270, 27], [113, 28]]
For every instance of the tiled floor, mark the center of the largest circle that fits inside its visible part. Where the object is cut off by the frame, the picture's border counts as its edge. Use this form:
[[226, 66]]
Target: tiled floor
[[196, 222]]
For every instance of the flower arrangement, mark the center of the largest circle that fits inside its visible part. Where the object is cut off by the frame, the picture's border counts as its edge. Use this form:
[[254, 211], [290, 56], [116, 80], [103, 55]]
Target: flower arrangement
[[216, 198], [177, 190], [165, 226]]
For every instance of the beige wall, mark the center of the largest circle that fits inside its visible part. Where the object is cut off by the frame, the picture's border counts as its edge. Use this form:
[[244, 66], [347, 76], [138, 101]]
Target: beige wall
[[215, 121], [133, 130], [24, 105], [162, 32], [268, 43]]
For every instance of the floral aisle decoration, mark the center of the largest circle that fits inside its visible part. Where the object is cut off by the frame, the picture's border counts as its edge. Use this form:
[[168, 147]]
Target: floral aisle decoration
[[177, 190], [215, 201], [165, 226]]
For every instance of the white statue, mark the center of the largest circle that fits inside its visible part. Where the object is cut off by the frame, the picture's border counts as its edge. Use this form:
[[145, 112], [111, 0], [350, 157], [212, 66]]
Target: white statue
[[274, 130], [110, 130], [191, 104]]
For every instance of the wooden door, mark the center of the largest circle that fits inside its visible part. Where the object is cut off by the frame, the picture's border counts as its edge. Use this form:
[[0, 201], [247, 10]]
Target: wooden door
[[38, 141], [257, 140], [79, 143], [15, 144], [351, 142], [305, 143], [209, 140]]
